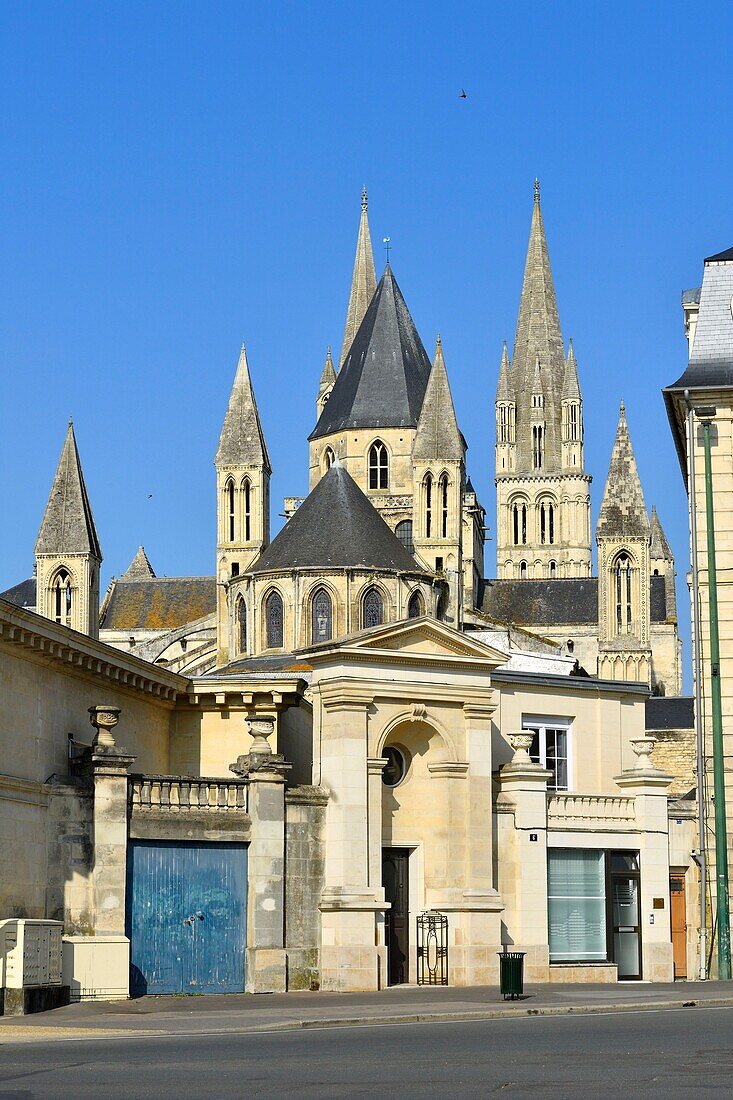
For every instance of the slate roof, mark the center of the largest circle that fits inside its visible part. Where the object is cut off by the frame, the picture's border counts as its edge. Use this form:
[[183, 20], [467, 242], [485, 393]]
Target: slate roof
[[275, 662], [336, 527], [68, 524], [383, 380], [672, 712], [711, 361], [571, 601], [159, 603], [242, 441], [22, 595], [719, 257]]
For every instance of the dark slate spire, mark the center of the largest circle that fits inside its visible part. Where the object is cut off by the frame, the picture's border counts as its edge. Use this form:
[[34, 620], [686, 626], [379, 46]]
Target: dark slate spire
[[623, 511], [139, 568], [336, 527], [660, 548], [68, 523], [382, 382], [538, 337], [363, 280], [438, 435], [242, 441]]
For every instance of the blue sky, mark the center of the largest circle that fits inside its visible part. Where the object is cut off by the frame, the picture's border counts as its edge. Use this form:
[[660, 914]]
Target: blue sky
[[179, 177]]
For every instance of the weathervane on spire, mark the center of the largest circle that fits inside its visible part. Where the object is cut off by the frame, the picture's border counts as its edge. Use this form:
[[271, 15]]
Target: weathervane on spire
[[387, 241], [364, 201], [536, 190]]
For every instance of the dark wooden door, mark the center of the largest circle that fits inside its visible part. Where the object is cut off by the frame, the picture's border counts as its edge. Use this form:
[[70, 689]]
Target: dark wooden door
[[678, 916], [395, 876]]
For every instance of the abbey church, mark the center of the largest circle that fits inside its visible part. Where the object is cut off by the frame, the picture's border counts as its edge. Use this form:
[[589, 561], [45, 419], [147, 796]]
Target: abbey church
[[348, 741]]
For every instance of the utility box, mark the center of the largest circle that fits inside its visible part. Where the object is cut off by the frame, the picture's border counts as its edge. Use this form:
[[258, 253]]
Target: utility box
[[97, 967], [30, 966]]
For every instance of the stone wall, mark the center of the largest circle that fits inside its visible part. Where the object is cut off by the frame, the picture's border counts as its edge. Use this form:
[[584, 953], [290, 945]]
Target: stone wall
[[305, 815]]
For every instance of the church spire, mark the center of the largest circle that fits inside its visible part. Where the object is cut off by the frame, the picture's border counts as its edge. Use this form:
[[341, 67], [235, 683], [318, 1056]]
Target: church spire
[[363, 281], [660, 549], [505, 389], [68, 524], [623, 511], [139, 568], [328, 377], [571, 386], [242, 441], [438, 436]]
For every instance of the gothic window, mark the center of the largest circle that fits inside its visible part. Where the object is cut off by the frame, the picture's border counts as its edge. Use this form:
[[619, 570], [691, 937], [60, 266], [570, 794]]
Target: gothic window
[[247, 495], [403, 530], [328, 458], [274, 620], [538, 445], [428, 505], [523, 570], [520, 524], [230, 494], [321, 617], [372, 608], [415, 607], [378, 466], [62, 601], [622, 582], [443, 494], [241, 625]]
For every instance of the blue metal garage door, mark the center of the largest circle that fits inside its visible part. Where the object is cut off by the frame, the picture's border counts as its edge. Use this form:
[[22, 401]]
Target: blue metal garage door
[[186, 917]]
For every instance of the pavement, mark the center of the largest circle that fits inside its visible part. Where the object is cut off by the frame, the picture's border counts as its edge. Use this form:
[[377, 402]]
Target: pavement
[[244, 1014]]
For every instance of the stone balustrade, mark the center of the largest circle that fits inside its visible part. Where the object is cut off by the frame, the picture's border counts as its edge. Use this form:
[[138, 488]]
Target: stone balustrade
[[161, 793], [599, 811]]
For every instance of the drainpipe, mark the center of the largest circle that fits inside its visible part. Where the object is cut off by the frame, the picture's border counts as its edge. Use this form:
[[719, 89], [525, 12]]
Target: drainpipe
[[721, 840], [696, 657]]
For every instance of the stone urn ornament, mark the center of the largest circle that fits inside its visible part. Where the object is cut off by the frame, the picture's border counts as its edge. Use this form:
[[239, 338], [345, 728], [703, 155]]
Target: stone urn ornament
[[104, 718], [643, 747], [261, 727], [521, 743]]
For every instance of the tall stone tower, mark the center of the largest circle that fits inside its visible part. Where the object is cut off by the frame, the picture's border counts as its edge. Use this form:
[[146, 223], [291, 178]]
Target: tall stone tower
[[542, 489], [68, 556], [623, 536], [242, 492]]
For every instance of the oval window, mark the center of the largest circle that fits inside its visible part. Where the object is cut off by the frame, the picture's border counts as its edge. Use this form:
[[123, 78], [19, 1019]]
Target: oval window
[[395, 770]]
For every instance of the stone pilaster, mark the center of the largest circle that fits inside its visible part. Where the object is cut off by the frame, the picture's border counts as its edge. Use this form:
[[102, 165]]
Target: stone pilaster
[[110, 766]]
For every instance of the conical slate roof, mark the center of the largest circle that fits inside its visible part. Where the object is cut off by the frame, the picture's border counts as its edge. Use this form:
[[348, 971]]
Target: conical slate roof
[[438, 435], [623, 511], [382, 382], [242, 441], [139, 568], [68, 523], [659, 548], [363, 281], [336, 527], [570, 386]]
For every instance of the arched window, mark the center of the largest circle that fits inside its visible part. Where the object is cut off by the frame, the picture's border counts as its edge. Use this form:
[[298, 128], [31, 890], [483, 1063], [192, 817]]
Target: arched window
[[241, 625], [428, 505], [403, 530], [321, 617], [230, 494], [441, 604], [538, 445], [443, 495], [274, 620], [328, 458], [416, 606], [553, 570], [520, 524], [547, 523], [372, 608], [247, 499], [622, 580], [62, 597], [378, 466], [523, 570]]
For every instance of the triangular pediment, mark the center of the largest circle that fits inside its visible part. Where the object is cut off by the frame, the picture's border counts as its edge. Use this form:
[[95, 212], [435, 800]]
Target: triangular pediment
[[418, 638]]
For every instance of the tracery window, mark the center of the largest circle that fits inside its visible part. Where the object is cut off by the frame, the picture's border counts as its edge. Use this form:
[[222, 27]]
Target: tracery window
[[415, 607], [62, 597], [443, 495], [247, 492], [378, 466], [428, 505], [321, 617], [242, 625], [372, 608], [230, 493], [623, 582], [274, 620], [403, 530], [328, 458]]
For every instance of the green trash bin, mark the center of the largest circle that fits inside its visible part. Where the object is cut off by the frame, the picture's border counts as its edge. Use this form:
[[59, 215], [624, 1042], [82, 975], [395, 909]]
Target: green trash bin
[[511, 973]]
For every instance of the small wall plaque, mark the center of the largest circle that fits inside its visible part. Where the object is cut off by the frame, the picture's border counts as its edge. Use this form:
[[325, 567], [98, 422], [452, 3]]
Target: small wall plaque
[[533, 837], [658, 903]]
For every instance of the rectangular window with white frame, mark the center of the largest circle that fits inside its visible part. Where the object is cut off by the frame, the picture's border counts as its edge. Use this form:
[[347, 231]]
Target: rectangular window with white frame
[[551, 747]]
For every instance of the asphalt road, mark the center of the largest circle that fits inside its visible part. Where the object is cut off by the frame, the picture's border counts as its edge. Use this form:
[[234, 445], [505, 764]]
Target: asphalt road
[[672, 1054]]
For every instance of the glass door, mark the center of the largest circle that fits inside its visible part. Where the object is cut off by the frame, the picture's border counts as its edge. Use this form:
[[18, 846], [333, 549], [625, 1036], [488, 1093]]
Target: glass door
[[624, 923]]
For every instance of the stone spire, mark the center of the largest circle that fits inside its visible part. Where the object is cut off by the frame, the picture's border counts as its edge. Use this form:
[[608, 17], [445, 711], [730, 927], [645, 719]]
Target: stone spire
[[242, 441], [68, 524], [537, 387], [139, 568], [438, 436], [328, 377], [363, 281], [505, 389], [623, 511], [570, 386], [660, 548]]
